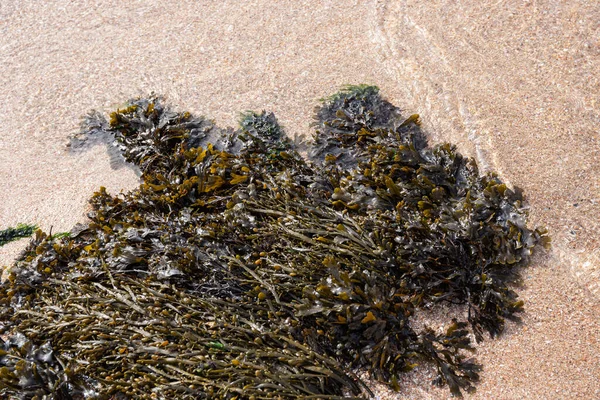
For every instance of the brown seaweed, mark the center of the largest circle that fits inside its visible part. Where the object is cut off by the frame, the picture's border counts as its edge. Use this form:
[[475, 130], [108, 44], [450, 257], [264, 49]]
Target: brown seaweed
[[238, 269]]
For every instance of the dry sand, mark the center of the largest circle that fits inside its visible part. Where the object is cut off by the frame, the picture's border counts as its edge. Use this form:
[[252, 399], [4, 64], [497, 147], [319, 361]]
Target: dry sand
[[513, 83]]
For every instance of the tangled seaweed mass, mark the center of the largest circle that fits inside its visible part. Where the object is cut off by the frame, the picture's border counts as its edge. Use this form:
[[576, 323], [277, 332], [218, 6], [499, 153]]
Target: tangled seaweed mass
[[238, 269]]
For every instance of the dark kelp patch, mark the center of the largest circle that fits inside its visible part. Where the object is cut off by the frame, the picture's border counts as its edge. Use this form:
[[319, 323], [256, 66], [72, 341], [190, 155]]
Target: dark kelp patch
[[238, 269]]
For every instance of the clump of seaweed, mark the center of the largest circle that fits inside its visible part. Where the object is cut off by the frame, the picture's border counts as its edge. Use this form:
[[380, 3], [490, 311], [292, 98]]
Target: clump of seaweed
[[238, 269], [263, 125], [348, 122]]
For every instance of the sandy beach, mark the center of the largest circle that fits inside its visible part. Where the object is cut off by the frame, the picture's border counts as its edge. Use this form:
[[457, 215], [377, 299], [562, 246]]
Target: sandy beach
[[514, 84]]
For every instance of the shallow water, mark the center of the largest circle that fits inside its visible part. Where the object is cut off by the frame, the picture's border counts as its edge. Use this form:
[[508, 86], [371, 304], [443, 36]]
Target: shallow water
[[515, 84]]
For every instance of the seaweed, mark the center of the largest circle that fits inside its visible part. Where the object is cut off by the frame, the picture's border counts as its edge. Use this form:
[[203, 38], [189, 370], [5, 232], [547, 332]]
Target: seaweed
[[239, 269], [348, 122], [20, 231]]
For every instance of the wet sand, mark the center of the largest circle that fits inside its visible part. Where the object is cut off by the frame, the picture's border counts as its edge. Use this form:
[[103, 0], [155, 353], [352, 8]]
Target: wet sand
[[513, 84]]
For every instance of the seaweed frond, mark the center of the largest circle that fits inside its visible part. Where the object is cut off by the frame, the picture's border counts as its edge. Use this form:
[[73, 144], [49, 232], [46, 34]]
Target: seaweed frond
[[15, 233]]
